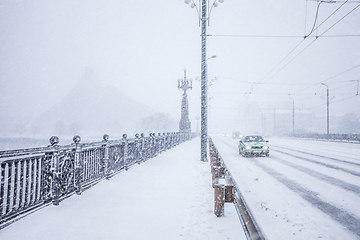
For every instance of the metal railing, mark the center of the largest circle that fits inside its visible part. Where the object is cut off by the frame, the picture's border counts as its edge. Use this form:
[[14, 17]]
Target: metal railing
[[230, 192], [33, 178], [345, 137]]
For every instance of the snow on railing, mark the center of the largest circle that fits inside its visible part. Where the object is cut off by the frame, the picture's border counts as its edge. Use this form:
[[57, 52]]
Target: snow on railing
[[36, 177], [345, 137]]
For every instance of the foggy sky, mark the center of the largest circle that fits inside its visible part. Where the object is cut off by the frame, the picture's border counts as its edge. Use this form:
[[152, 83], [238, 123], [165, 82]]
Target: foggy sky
[[142, 47]]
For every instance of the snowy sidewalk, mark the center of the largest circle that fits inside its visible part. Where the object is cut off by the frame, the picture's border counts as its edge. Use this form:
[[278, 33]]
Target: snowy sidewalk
[[167, 197]]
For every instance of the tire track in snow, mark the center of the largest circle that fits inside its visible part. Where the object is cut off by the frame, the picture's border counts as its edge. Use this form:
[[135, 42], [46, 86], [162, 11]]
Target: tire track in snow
[[342, 217], [317, 155], [321, 176], [320, 163], [318, 175]]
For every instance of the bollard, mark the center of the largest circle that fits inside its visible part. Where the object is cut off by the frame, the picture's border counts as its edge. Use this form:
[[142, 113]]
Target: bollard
[[222, 194], [219, 200]]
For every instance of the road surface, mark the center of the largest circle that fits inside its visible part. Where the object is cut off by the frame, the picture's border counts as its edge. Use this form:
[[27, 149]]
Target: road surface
[[305, 190]]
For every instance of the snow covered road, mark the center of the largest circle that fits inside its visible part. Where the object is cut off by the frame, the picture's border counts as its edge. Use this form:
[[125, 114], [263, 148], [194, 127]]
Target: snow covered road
[[304, 190]]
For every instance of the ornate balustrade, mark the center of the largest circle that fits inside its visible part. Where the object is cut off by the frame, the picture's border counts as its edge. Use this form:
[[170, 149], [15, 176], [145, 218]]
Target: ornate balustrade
[[33, 178]]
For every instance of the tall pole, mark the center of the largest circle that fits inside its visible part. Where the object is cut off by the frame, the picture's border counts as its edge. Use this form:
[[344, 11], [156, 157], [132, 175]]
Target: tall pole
[[327, 111], [293, 113], [204, 133], [274, 121], [357, 88], [203, 14], [293, 117]]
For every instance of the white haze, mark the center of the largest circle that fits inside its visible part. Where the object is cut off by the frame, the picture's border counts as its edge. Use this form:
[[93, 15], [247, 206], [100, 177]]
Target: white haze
[[141, 48]]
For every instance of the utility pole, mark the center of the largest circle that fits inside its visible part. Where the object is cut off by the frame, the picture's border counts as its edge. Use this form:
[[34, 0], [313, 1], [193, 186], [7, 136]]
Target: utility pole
[[203, 14], [357, 87], [293, 117], [274, 121], [204, 133], [293, 113], [327, 111]]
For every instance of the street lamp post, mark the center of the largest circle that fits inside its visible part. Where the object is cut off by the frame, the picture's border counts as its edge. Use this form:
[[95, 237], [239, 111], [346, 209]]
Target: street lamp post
[[203, 14], [293, 113], [327, 111], [185, 124], [274, 121]]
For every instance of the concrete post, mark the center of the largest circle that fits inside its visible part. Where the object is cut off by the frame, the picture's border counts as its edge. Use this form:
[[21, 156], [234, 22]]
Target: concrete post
[[219, 200]]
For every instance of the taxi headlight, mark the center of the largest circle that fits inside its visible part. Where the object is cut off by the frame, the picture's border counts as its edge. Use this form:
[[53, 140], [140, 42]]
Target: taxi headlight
[[265, 147], [248, 147]]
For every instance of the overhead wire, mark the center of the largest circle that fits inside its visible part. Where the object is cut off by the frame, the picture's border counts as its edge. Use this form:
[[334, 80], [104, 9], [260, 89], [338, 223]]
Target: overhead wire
[[341, 19], [316, 17], [279, 36], [305, 17], [306, 36], [327, 79], [304, 48], [316, 37], [273, 69], [335, 101]]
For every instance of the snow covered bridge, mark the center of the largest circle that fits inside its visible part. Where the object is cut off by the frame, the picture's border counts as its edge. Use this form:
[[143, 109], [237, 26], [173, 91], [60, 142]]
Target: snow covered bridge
[[33, 177], [167, 197], [304, 190]]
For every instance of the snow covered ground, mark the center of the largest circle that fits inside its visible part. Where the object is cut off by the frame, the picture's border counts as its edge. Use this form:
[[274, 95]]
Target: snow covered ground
[[167, 197], [304, 190]]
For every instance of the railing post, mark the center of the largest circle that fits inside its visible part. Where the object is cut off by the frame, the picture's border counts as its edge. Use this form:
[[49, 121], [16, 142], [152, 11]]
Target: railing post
[[125, 143], [143, 149], [175, 139], [138, 148], [106, 159], [152, 144], [155, 145], [158, 148], [163, 142], [55, 181], [168, 141], [78, 168]]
